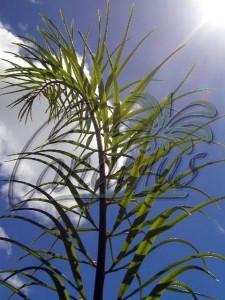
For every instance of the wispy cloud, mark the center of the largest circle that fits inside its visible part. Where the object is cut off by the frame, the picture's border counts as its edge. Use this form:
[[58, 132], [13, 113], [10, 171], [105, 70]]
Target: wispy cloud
[[23, 27], [3, 244], [219, 226], [15, 281]]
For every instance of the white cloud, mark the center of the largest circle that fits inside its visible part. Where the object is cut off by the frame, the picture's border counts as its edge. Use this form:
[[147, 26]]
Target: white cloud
[[6, 40], [9, 145], [14, 135], [3, 244]]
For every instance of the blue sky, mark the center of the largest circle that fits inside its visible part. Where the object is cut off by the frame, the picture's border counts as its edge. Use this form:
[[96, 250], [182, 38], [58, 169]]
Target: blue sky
[[175, 22]]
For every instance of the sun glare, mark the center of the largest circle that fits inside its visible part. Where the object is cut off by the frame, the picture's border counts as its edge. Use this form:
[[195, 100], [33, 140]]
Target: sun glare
[[213, 12]]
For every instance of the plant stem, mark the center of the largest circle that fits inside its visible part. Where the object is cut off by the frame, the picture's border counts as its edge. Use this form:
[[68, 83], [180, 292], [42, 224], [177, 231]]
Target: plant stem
[[102, 238]]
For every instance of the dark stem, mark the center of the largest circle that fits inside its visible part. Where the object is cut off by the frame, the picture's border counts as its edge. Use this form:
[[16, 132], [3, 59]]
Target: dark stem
[[102, 237]]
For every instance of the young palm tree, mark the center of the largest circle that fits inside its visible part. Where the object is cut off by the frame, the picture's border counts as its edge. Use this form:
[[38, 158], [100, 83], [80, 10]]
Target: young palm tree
[[130, 145]]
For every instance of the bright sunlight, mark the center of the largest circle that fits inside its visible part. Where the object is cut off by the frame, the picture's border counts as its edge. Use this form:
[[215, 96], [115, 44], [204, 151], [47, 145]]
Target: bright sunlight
[[213, 12]]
